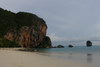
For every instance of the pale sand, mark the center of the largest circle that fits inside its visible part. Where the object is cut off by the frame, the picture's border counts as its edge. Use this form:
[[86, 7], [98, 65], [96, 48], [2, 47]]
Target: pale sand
[[12, 58]]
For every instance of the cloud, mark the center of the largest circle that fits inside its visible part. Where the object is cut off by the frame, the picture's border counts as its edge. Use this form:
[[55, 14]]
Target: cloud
[[54, 37]]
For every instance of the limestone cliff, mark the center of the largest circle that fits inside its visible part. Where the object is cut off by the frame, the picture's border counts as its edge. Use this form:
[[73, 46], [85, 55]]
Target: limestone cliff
[[26, 29]]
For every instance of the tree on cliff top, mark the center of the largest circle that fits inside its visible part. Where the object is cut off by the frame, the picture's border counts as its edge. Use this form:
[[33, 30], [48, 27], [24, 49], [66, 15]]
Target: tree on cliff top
[[10, 20]]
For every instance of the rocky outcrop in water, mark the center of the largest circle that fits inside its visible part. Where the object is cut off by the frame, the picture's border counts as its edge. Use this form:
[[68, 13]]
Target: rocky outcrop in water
[[70, 46], [88, 43], [60, 46]]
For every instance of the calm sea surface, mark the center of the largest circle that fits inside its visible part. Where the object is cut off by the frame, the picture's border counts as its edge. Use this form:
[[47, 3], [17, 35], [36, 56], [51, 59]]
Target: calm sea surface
[[81, 54]]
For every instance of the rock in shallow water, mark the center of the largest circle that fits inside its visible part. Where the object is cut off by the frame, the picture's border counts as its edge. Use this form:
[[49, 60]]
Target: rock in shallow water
[[88, 43], [60, 46], [70, 46]]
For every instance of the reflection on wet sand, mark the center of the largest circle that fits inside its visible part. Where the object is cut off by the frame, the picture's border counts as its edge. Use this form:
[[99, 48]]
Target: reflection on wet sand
[[70, 56], [89, 57]]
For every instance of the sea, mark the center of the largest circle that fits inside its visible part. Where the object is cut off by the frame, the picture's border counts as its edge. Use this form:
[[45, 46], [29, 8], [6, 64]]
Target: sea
[[80, 54]]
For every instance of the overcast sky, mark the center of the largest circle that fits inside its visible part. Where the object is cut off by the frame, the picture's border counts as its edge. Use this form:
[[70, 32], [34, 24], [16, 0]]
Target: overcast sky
[[66, 19]]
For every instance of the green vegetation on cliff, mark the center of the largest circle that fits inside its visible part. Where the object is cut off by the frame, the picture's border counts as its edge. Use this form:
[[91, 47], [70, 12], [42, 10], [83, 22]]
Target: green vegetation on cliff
[[13, 22], [10, 20], [46, 43], [7, 43]]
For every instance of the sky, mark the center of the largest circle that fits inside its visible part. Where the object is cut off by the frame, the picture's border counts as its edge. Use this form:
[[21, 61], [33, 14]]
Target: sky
[[67, 20]]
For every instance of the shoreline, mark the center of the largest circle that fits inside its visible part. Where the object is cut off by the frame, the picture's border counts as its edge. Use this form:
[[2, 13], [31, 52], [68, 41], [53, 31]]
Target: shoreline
[[9, 57], [20, 49]]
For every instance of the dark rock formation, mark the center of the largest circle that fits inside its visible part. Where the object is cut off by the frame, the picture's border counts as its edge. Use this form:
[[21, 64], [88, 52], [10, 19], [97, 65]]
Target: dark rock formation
[[88, 43], [70, 46], [26, 29], [60, 46], [54, 46], [30, 36], [46, 43]]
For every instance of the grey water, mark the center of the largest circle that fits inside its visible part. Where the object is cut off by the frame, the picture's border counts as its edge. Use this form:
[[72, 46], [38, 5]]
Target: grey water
[[81, 54]]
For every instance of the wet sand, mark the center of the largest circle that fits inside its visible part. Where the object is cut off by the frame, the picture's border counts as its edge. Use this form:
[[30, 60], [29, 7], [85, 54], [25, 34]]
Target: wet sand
[[10, 57]]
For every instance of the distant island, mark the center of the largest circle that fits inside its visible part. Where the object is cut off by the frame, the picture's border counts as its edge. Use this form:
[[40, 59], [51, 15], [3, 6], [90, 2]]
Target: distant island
[[23, 29]]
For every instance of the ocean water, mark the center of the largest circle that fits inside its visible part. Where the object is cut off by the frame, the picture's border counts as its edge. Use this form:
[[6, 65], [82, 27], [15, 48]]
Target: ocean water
[[89, 56]]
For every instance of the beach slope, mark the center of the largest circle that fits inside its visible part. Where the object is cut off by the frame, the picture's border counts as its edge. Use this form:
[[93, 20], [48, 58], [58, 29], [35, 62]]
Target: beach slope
[[11, 58]]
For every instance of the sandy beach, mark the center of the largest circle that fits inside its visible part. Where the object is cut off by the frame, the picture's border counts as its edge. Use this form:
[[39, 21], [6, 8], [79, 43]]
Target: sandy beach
[[12, 58]]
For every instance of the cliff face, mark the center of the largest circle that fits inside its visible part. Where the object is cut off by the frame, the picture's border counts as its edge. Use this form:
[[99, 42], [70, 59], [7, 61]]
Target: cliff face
[[28, 30]]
